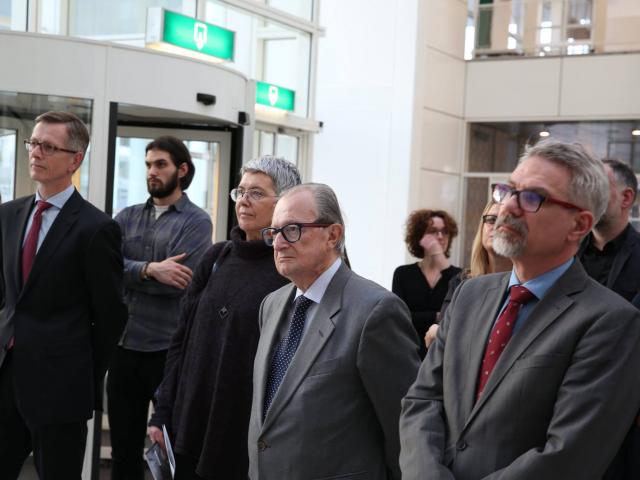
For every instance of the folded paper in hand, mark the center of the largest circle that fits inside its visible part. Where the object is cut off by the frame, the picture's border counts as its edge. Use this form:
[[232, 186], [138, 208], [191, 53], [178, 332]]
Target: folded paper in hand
[[161, 463]]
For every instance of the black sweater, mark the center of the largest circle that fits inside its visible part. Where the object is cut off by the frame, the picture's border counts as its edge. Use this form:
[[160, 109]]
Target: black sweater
[[205, 396], [424, 302]]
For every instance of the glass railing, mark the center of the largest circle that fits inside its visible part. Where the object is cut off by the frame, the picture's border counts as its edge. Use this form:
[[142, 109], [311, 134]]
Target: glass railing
[[555, 27]]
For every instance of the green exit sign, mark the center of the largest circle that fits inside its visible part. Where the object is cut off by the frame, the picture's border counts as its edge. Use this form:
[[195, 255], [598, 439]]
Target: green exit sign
[[275, 96], [164, 26]]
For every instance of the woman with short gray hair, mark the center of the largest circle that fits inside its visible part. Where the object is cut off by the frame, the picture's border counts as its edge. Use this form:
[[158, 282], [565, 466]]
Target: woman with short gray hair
[[205, 396]]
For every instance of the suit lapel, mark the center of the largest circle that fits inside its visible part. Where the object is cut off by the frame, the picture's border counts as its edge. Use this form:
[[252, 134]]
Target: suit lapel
[[548, 310], [279, 309], [58, 231], [15, 252], [312, 343], [486, 315]]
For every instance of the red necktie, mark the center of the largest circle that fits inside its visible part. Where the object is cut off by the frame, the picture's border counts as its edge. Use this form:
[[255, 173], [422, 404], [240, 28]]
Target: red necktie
[[31, 243], [501, 333]]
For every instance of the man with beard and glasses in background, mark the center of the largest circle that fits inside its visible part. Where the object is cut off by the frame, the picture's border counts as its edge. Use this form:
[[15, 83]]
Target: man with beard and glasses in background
[[162, 240], [610, 255], [533, 373]]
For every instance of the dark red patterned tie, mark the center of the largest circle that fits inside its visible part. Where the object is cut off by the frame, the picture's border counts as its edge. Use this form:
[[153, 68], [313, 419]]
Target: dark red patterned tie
[[31, 243], [501, 333]]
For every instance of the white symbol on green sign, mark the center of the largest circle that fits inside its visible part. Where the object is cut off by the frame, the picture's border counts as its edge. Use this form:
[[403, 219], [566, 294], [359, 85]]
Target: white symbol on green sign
[[200, 34], [273, 95]]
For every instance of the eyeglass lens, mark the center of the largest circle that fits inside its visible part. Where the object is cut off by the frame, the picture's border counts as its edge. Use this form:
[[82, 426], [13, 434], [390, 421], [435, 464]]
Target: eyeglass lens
[[237, 193], [528, 200], [291, 233], [45, 147]]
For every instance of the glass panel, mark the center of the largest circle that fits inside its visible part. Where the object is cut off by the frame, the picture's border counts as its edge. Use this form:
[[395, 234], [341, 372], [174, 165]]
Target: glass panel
[[579, 12], [266, 143], [256, 144], [299, 8], [287, 147], [130, 179], [8, 145], [49, 17], [13, 15], [120, 21], [495, 147], [541, 27], [266, 50], [483, 27], [492, 149], [18, 112]]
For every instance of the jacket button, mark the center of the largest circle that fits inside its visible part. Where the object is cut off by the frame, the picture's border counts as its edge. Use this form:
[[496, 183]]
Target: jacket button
[[262, 445], [461, 445]]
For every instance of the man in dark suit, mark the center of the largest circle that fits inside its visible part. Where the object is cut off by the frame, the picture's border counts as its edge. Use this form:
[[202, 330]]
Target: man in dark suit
[[61, 267], [336, 354], [610, 255], [534, 373]]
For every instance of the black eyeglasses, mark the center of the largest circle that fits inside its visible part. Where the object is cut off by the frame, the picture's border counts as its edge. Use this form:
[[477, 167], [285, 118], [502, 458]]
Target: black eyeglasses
[[45, 147], [291, 232], [489, 219], [254, 195], [528, 200]]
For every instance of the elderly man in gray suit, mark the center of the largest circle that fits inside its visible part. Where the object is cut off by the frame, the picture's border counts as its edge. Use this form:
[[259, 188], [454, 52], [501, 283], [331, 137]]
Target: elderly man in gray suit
[[336, 355], [533, 374]]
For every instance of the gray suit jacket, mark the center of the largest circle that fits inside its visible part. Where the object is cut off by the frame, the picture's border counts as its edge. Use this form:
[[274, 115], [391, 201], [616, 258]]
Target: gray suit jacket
[[336, 412], [558, 402]]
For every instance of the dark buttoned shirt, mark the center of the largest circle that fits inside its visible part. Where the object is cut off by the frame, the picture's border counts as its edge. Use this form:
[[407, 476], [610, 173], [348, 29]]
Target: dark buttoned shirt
[[153, 306], [597, 262]]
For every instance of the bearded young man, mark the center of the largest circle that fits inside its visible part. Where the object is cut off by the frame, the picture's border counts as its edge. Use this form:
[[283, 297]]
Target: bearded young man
[[163, 240], [533, 373]]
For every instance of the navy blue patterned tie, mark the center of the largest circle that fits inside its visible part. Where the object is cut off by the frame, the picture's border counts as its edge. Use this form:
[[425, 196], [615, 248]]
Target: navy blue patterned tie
[[285, 351]]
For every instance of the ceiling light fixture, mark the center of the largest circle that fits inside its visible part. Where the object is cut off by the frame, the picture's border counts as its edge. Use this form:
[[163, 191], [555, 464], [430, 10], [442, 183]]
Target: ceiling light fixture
[[635, 132]]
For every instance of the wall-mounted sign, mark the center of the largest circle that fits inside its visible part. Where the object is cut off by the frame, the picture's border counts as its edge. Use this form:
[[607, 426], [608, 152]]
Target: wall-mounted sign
[[275, 96], [164, 26]]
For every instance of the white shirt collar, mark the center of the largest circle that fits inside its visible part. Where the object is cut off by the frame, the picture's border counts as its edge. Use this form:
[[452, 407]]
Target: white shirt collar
[[316, 291], [59, 199]]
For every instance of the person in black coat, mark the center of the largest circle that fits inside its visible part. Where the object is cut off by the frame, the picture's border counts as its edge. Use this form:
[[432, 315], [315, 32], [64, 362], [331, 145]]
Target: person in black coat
[[424, 284], [205, 397], [611, 255]]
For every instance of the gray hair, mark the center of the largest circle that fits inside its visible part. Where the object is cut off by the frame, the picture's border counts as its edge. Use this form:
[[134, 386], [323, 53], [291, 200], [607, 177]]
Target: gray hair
[[623, 173], [327, 207], [589, 186], [283, 173]]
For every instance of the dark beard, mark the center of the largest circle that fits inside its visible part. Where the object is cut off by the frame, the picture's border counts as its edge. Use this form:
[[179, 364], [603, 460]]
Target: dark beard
[[163, 190]]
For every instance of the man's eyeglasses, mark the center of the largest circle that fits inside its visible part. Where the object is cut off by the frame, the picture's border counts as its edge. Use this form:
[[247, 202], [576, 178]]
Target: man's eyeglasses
[[45, 147], [291, 232], [254, 195], [489, 219], [528, 200]]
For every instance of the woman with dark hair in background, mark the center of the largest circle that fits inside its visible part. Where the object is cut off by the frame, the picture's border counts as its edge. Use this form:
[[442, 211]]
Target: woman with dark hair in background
[[483, 260], [205, 396], [423, 285]]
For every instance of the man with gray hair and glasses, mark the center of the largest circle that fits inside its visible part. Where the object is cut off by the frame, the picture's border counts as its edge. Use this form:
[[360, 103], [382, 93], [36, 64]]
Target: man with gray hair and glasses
[[336, 354], [533, 373]]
